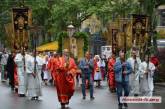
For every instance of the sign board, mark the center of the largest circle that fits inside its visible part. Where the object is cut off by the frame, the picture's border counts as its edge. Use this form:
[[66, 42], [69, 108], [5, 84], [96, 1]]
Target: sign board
[[106, 51]]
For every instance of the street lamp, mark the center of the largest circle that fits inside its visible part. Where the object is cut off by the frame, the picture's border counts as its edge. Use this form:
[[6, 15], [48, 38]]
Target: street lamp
[[70, 30]]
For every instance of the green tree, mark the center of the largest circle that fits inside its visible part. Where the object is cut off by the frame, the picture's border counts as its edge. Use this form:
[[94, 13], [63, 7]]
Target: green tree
[[149, 8]]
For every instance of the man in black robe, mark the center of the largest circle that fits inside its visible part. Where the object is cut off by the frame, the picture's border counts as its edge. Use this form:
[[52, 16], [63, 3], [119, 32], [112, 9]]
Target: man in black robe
[[10, 70]]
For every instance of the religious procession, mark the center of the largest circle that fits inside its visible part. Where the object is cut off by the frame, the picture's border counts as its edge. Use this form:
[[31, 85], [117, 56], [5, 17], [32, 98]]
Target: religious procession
[[75, 54]]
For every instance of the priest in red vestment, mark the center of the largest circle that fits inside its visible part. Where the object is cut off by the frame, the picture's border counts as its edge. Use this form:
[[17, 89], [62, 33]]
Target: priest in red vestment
[[64, 78], [15, 78], [111, 74]]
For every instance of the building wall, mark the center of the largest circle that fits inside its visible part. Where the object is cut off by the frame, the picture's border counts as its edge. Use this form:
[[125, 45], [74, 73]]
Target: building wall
[[79, 43], [120, 35], [161, 21], [93, 23]]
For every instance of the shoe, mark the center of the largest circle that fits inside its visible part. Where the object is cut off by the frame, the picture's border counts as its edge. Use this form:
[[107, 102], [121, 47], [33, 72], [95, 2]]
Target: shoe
[[36, 98], [3, 81], [12, 89], [84, 97], [92, 98], [62, 106], [21, 95], [112, 90], [16, 90], [125, 105], [33, 98], [120, 106], [136, 95], [46, 83]]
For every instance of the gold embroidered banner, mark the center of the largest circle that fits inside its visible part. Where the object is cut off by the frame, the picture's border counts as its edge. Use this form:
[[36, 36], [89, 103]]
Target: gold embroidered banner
[[139, 28], [21, 20]]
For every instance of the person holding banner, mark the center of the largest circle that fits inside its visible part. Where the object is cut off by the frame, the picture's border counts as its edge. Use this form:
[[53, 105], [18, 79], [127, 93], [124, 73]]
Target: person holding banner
[[146, 71], [33, 83], [135, 62]]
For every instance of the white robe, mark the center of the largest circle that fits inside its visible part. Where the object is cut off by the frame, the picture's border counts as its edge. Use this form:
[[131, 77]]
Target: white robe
[[21, 73], [40, 63], [33, 83], [146, 84], [97, 74], [134, 76], [47, 74]]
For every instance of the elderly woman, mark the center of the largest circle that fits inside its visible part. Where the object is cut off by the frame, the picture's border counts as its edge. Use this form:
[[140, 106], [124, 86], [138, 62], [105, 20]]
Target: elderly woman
[[97, 71]]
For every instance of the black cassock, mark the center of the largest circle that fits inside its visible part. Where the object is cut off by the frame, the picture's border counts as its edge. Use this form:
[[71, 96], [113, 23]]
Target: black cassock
[[10, 70]]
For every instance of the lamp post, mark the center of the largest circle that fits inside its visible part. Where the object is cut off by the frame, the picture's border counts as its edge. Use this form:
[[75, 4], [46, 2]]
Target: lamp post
[[71, 31]]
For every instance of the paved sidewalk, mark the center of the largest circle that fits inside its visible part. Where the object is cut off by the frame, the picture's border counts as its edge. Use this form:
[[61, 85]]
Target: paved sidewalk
[[160, 84]]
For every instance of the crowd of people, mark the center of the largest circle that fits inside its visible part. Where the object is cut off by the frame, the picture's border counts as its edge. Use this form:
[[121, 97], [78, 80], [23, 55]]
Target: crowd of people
[[133, 75], [28, 71]]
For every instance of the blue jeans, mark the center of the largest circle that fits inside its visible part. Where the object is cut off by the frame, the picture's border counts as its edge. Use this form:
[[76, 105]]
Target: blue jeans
[[87, 76], [120, 87]]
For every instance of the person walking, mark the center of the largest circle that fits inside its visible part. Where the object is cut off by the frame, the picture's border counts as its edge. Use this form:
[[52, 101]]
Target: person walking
[[86, 65], [122, 70]]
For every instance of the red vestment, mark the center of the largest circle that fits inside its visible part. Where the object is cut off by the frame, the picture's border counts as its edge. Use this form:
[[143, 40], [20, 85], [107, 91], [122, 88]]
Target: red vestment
[[111, 74], [15, 76], [94, 68], [50, 66], [64, 79], [55, 66]]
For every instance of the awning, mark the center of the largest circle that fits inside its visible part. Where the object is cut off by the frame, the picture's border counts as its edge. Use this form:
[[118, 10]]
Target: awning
[[52, 46]]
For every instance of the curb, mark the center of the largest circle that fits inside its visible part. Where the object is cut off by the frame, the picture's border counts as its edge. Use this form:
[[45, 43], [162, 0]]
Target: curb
[[160, 84]]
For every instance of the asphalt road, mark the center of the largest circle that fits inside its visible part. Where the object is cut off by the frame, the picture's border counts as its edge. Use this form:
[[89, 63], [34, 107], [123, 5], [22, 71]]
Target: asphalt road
[[103, 100]]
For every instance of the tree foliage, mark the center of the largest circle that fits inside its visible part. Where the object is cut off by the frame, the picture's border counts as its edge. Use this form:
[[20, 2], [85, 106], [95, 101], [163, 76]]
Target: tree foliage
[[85, 38], [55, 15]]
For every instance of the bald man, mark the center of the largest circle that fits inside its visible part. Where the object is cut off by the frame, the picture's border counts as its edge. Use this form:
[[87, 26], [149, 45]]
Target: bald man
[[64, 78]]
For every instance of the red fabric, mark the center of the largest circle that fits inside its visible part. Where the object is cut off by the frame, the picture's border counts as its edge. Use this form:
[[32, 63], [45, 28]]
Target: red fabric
[[102, 72], [111, 74], [155, 60], [64, 80], [96, 67], [55, 65], [49, 65], [15, 76]]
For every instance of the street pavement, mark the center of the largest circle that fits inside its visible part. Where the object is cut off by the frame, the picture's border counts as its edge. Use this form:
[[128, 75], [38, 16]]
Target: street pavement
[[103, 99]]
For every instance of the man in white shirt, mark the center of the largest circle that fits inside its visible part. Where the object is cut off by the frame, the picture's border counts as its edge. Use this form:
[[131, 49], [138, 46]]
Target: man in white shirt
[[135, 62], [33, 83]]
